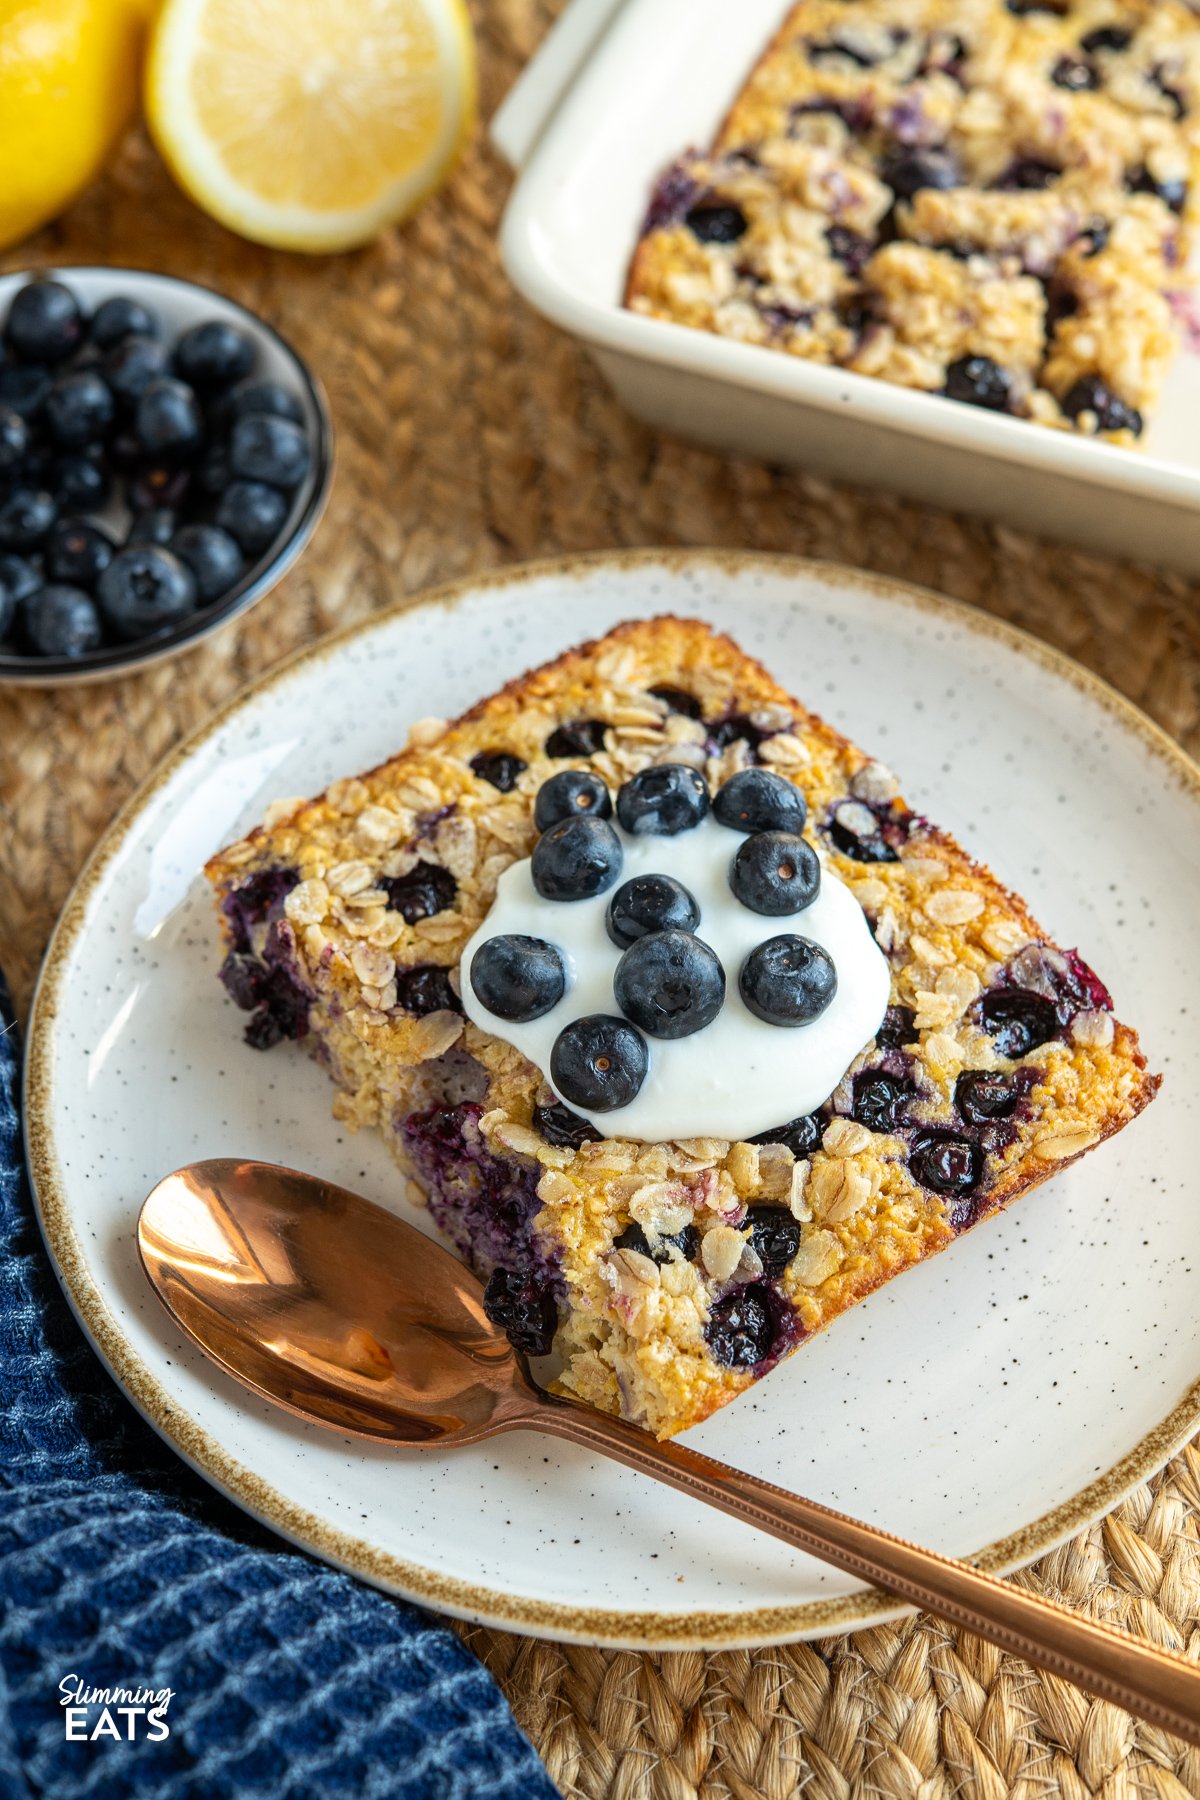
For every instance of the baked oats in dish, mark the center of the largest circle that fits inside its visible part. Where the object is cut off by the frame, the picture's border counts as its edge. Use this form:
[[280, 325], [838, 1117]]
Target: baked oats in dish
[[986, 200], [689, 1029]]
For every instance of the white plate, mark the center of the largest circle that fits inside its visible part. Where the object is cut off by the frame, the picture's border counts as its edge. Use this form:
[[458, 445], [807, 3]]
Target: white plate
[[1000, 1395]]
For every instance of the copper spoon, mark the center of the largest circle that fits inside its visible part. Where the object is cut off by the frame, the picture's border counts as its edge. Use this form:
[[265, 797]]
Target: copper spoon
[[340, 1312]]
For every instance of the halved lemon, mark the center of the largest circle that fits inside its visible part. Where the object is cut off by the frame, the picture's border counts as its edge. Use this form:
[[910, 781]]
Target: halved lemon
[[310, 124]]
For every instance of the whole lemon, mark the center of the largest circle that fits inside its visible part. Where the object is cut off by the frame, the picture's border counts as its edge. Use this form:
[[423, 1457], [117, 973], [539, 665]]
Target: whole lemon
[[69, 72]]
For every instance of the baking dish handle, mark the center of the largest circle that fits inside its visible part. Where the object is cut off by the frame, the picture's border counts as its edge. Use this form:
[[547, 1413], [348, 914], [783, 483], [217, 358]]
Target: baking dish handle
[[531, 102]]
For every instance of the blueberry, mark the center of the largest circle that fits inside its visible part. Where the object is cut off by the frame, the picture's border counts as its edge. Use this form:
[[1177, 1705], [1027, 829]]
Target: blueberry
[[649, 903], [214, 355], [855, 830], [265, 397], [575, 794], [787, 981], [946, 1163], [1017, 1021], [24, 390], [716, 224], [14, 440], [736, 726], [524, 1310], [775, 873], [168, 424], [906, 171], [213, 474], [685, 1243], [145, 589], [1022, 8], [264, 448], [978, 381], [131, 366], [425, 890], [80, 481], [899, 1027], [879, 1099], [760, 800], [1106, 37], [120, 317], [802, 1136], [678, 701], [578, 737], [44, 323], [154, 525], [61, 621], [26, 515], [77, 553], [213, 557], [559, 1125], [8, 611], [850, 247], [124, 451], [518, 978], [663, 800], [498, 767], [1075, 75], [244, 979], [774, 1237], [19, 578], [576, 859], [740, 1329], [79, 409], [1089, 394], [983, 1094], [253, 513], [1029, 174], [1172, 192], [599, 1062], [670, 984], [425, 988]]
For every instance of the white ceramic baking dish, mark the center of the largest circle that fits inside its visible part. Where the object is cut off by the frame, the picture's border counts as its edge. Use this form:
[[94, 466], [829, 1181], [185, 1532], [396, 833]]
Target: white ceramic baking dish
[[617, 91]]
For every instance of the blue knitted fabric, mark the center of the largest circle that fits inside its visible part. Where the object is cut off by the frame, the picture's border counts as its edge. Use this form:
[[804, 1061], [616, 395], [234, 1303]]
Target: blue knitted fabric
[[120, 1567]]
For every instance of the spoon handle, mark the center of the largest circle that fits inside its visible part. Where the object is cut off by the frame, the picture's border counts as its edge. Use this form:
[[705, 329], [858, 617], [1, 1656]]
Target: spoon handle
[[1153, 1684]]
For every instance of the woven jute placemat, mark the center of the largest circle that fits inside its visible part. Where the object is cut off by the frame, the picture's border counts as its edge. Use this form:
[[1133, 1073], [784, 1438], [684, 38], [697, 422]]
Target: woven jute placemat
[[471, 435]]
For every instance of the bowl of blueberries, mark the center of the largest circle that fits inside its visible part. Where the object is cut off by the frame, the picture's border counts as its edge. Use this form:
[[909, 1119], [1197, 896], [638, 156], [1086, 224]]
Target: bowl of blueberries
[[164, 458]]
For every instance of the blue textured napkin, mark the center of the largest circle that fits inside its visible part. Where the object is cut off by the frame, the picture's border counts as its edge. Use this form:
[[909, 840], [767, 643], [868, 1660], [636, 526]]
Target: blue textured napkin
[[119, 1567]]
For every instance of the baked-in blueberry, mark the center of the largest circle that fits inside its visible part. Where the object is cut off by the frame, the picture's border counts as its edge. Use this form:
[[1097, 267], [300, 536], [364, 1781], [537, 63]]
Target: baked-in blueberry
[[760, 800], [775, 873], [907, 170], [801, 1136], [524, 1310], [855, 830], [133, 364], [500, 768], [265, 397], [213, 556], [714, 223], [649, 903], [79, 409], [575, 794], [1029, 174], [774, 1237], [740, 1329], [946, 1163], [578, 737], [18, 577], [1075, 75], [879, 1099], [168, 423], [1106, 37], [121, 317], [265, 448], [426, 889], [788, 980], [576, 859], [899, 1027], [77, 553], [44, 324], [663, 800], [685, 1242], [1172, 192], [1017, 1021], [26, 515], [978, 381], [144, 589], [678, 701], [984, 1094], [734, 727], [154, 525], [214, 355], [850, 247], [425, 988], [14, 441], [80, 482], [670, 984], [24, 389], [518, 978], [253, 513], [560, 1126], [61, 621], [1089, 394], [599, 1062]]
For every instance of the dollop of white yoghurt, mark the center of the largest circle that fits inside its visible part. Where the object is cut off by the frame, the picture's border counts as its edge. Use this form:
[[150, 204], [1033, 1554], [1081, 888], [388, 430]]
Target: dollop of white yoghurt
[[739, 1076]]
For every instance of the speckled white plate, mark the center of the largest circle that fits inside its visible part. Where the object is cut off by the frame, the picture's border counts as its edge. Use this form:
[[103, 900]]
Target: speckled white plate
[[994, 1399]]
